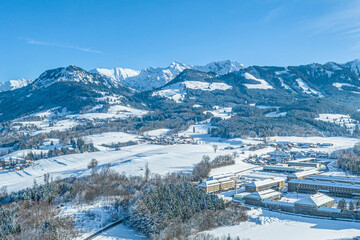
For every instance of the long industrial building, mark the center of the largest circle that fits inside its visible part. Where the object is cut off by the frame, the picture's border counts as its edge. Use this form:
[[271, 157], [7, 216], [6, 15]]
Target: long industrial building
[[286, 168], [335, 189], [338, 179], [303, 174], [304, 162]]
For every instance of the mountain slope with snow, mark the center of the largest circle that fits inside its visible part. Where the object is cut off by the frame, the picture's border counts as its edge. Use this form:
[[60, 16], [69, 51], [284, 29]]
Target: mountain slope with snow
[[220, 67], [14, 84]]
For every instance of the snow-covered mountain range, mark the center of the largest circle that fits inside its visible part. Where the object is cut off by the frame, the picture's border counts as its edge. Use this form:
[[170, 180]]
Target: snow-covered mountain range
[[14, 84], [155, 77]]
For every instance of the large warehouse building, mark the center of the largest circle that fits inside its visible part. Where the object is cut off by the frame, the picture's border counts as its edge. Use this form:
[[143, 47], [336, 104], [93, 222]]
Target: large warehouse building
[[338, 189]]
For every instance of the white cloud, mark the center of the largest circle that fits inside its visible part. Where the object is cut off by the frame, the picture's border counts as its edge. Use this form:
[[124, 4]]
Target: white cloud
[[50, 44], [345, 20]]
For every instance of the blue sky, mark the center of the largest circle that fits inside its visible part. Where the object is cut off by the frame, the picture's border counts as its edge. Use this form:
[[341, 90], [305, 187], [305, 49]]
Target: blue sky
[[40, 35]]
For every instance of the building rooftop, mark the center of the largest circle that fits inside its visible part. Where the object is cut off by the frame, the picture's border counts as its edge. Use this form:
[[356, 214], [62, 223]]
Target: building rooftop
[[265, 182], [209, 183], [355, 180], [279, 153], [217, 177], [285, 167], [304, 173], [225, 180], [315, 200], [263, 195], [303, 160], [325, 183]]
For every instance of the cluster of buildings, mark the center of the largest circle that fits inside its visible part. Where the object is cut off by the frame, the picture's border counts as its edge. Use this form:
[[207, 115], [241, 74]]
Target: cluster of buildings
[[15, 164], [266, 193], [281, 156], [308, 165], [169, 140], [286, 145]]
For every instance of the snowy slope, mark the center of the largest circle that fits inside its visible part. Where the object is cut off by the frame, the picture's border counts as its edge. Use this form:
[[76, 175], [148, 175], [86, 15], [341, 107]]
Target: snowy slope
[[306, 89], [116, 74], [14, 84], [177, 91], [261, 85]]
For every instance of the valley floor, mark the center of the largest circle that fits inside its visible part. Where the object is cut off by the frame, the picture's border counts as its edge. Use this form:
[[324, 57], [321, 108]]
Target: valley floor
[[163, 159]]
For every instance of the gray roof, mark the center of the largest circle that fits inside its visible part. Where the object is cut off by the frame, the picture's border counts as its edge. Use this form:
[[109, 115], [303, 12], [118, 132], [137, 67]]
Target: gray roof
[[355, 180], [315, 200], [325, 183], [263, 195], [265, 182]]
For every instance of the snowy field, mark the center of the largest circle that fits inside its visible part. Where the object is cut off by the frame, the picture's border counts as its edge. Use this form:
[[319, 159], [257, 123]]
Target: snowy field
[[110, 137], [269, 225], [161, 159], [114, 112], [340, 119], [131, 160]]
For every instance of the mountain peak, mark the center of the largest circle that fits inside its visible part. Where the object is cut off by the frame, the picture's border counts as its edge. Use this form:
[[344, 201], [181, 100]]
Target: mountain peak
[[354, 66], [221, 67], [155, 77], [14, 84], [70, 73]]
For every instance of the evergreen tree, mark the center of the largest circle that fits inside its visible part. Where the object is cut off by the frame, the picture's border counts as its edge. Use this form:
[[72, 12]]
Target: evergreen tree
[[342, 204], [351, 206]]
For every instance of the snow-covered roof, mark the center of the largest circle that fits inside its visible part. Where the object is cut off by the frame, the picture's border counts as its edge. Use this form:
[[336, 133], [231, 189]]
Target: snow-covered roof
[[209, 183], [263, 195], [265, 182], [354, 180], [303, 160], [225, 180], [325, 183], [315, 200], [304, 173], [218, 177], [285, 167]]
